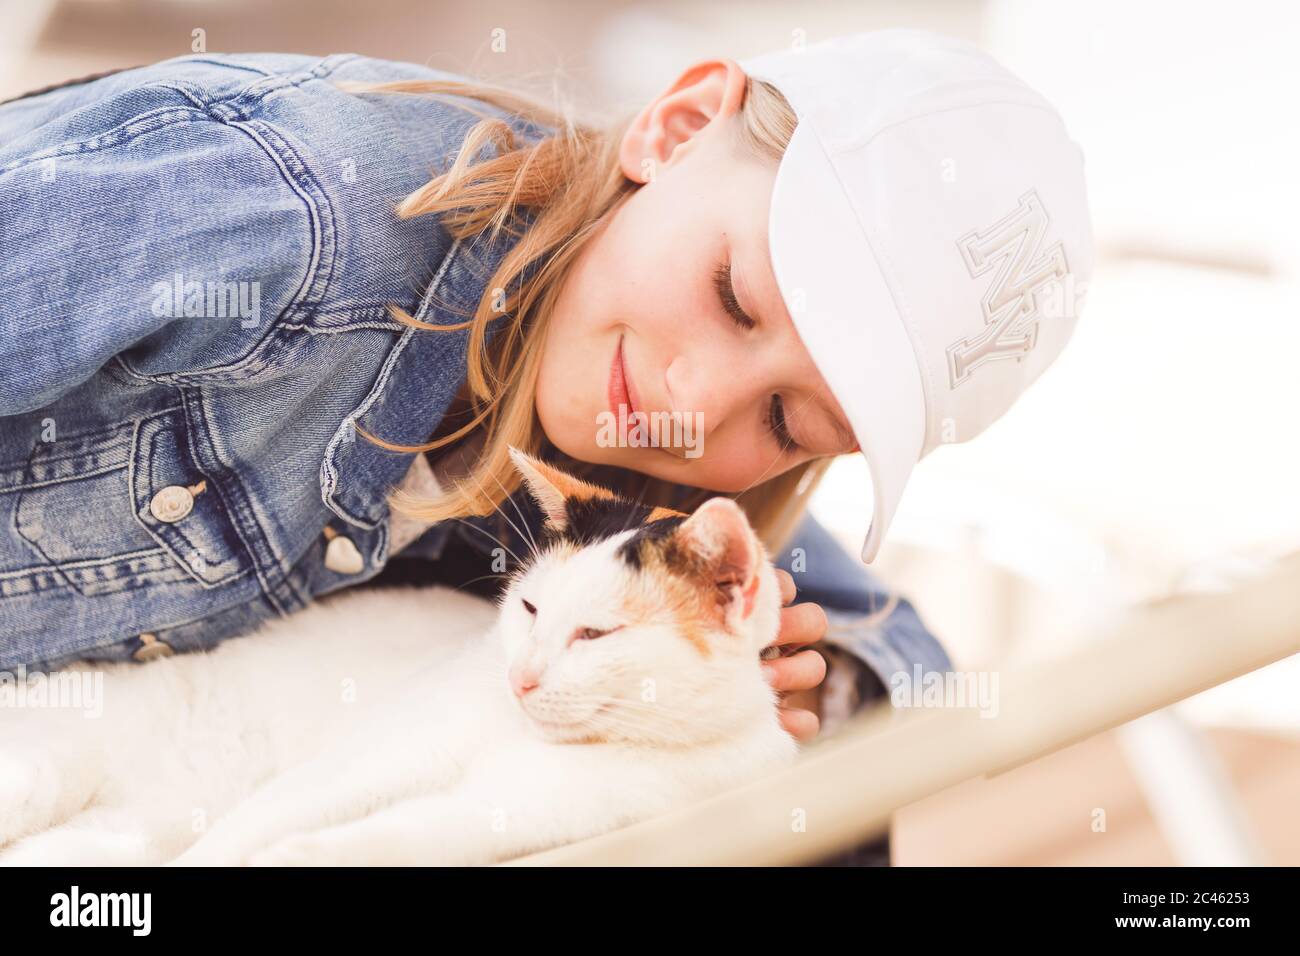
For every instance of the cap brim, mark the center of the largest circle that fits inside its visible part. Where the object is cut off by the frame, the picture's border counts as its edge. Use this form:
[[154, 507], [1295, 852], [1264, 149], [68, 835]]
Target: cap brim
[[844, 312]]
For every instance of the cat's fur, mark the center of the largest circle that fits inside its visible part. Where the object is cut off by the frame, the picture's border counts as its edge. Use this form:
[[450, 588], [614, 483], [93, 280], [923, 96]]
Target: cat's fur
[[384, 727]]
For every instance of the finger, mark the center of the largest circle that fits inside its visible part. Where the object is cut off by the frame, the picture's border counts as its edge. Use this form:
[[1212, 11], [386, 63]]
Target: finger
[[802, 671], [802, 725], [786, 582], [802, 624]]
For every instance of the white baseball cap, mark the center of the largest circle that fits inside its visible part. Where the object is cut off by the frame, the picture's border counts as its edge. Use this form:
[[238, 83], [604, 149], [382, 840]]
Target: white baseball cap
[[929, 232]]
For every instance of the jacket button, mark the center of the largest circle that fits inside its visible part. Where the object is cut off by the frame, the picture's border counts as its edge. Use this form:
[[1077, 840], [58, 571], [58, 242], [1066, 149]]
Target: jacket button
[[151, 648], [171, 504], [342, 556]]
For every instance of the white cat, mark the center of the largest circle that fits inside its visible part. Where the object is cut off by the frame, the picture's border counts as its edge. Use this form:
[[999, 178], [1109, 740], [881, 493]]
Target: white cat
[[617, 677]]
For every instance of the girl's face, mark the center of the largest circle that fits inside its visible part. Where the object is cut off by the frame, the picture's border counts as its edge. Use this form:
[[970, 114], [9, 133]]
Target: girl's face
[[676, 298]]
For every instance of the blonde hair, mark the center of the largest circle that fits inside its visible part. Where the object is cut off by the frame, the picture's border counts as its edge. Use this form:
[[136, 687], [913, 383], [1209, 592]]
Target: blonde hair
[[568, 181]]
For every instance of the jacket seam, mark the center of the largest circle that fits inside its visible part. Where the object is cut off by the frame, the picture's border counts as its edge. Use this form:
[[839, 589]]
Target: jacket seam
[[151, 121], [248, 97], [320, 213], [21, 573], [320, 265]]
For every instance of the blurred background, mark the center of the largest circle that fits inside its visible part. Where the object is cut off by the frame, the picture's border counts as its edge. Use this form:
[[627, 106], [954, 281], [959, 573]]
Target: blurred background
[[1158, 457]]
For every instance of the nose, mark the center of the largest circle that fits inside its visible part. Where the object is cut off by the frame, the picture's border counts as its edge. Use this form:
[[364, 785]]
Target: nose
[[523, 679]]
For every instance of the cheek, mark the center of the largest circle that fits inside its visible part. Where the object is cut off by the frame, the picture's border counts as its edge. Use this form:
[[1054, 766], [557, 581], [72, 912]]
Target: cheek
[[514, 624], [514, 634], [570, 383], [592, 670], [649, 266], [730, 466], [566, 674], [551, 397]]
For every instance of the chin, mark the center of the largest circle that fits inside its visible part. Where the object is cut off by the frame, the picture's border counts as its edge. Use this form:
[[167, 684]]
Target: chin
[[567, 734]]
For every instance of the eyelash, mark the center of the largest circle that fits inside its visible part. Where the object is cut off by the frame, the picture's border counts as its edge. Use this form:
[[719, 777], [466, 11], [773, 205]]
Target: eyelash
[[776, 421], [722, 282], [731, 305]]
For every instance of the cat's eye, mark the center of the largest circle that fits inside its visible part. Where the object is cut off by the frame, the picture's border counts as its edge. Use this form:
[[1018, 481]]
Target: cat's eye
[[590, 633], [529, 608]]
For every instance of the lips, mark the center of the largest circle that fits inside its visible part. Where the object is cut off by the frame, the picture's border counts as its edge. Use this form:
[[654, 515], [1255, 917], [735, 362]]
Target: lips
[[619, 390]]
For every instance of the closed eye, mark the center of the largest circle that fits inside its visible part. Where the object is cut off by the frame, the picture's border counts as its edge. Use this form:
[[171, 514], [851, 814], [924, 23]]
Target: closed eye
[[776, 423], [775, 412], [727, 294], [591, 633]]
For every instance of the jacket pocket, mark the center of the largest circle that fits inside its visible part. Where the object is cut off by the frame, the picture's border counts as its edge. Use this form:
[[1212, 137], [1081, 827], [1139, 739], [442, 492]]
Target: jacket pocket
[[179, 507], [120, 509]]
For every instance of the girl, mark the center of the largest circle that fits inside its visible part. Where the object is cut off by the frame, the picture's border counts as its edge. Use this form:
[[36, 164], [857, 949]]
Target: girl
[[247, 297]]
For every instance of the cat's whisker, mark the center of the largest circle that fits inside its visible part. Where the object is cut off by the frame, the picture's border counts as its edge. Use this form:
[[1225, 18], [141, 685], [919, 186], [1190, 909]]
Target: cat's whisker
[[493, 538], [527, 531], [481, 577], [497, 509]]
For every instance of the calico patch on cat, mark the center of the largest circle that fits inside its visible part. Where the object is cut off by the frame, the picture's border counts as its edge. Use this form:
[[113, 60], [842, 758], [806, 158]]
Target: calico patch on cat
[[700, 568]]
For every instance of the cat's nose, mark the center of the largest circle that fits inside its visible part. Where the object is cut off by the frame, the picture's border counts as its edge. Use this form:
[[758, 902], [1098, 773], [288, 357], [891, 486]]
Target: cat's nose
[[522, 680]]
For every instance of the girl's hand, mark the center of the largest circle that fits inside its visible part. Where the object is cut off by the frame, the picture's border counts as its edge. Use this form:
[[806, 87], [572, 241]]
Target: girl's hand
[[797, 677]]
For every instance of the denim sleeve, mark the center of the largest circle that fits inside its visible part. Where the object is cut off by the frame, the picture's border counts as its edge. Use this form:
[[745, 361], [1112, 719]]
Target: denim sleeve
[[854, 599], [138, 223]]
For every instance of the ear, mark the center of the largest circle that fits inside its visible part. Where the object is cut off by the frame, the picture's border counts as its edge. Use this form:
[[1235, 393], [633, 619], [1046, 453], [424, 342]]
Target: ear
[[708, 90], [551, 488], [725, 547]]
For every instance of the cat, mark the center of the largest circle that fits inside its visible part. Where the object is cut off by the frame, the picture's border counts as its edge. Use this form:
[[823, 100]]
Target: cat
[[617, 676]]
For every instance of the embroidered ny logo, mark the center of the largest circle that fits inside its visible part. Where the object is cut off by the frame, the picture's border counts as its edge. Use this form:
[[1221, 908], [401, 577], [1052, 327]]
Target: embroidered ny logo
[[1013, 246]]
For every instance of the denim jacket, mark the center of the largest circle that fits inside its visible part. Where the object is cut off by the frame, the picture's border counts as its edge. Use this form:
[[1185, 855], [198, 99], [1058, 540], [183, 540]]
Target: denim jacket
[[195, 263]]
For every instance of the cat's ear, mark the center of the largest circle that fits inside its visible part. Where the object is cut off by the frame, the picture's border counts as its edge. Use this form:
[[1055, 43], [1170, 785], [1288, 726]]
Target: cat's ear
[[551, 488], [723, 545]]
